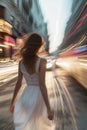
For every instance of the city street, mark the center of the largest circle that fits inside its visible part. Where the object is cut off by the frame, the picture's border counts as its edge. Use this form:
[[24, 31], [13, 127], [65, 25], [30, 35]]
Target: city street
[[76, 93], [55, 30]]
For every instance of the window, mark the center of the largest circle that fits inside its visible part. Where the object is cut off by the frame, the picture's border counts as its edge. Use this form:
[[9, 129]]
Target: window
[[12, 19], [31, 19], [17, 25], [2, 11], [16, 2]]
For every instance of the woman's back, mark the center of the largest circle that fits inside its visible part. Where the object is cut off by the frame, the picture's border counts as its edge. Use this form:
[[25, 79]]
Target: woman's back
[[31, 78]]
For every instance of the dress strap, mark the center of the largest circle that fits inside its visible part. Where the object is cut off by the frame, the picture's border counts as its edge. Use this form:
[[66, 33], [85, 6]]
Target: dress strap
[[38, 65], [20, 64]]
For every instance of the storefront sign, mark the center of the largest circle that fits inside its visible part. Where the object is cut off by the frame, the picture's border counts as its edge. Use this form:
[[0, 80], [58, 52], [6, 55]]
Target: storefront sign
[[5, 27], [9, 41]]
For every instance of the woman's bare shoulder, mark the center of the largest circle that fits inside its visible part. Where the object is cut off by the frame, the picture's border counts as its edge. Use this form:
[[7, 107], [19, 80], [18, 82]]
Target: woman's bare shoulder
[[20, 61]]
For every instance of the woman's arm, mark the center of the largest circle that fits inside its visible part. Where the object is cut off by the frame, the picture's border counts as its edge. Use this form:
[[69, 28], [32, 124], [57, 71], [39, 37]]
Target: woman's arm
[[42, 83], [17, 87]]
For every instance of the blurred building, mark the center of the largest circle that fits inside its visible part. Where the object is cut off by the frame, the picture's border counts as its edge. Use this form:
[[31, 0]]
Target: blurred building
[[10, 27], [35, 18], [76, 29], [18, 17]]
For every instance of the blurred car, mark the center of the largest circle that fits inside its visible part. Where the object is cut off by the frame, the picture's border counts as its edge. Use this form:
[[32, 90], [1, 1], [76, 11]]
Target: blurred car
[[50, 62], [75, 66]]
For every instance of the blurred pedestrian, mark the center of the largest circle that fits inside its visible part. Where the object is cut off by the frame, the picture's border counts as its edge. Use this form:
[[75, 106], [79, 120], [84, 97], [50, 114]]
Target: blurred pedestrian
[[32, 110]]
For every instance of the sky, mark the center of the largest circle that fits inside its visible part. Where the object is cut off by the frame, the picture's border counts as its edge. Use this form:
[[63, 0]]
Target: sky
[[56, 13]]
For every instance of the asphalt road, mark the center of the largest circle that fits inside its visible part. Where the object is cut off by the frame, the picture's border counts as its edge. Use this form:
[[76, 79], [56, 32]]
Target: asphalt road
[[76, 92]]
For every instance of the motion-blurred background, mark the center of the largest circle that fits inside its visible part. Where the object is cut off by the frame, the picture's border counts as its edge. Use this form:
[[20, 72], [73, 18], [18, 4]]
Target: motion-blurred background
[[63, 24]]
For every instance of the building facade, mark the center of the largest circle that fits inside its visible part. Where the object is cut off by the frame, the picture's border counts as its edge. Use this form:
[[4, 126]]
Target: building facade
[[10, 27], [16, 19], [76, 28], [35, 18]]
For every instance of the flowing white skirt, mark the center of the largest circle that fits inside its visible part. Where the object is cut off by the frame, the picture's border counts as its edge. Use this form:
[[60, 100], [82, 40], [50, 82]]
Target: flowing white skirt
[[30, 112]]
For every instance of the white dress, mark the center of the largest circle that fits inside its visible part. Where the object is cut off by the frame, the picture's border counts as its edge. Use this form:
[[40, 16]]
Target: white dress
[[30, 111]]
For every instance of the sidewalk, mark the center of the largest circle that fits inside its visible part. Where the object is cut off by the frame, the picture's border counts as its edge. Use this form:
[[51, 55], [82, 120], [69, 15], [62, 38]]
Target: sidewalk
[[6, 61]]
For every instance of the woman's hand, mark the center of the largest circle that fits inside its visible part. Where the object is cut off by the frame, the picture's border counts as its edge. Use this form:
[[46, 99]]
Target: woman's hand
[[50, 114], [12, 108]]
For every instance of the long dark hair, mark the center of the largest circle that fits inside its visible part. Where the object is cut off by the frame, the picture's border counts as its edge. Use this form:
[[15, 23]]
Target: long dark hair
[[30, 50]]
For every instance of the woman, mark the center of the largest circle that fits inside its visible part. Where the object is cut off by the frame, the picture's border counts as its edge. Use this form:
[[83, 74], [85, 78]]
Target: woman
[[32, 110]]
